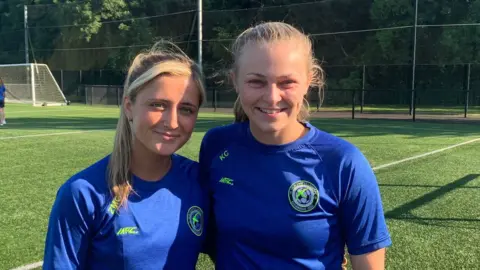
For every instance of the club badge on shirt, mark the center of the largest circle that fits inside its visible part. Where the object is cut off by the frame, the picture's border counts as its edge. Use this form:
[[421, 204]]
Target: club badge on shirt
[[195, 220], [303, 196]]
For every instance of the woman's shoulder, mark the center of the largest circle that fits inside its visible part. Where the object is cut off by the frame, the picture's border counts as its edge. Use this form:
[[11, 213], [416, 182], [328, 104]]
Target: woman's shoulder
[[335, 149], [87, 183], [86, 191], [219, 138], [184, 163], [224, 133]]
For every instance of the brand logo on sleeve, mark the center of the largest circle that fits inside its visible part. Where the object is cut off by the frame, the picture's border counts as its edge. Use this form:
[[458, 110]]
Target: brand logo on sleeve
[[195, 220], [303, 196]]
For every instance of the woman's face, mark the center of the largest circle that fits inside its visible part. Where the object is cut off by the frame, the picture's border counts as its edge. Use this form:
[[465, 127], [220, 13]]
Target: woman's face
[[271, 81], [164, 113]]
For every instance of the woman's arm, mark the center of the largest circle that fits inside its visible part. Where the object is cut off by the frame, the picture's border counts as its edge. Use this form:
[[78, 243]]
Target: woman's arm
[[67, 240], [371, 261], [361, 213]]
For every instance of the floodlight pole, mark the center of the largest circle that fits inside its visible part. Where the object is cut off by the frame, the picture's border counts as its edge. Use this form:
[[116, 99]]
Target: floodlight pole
[[25, 30], [200, 34], [414, 63], [467, 90]]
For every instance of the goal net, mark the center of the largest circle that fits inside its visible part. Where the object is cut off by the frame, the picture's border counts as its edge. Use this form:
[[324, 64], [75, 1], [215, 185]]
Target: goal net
[[31, 84]]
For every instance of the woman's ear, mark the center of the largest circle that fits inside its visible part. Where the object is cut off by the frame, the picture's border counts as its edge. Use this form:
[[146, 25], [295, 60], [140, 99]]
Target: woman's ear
[[127, 106]]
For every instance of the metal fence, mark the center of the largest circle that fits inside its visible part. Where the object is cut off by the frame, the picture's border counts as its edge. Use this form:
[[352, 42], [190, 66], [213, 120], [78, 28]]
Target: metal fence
[[460, 103]]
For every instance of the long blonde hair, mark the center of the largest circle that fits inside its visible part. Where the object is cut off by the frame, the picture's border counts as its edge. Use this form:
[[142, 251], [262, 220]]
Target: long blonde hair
[[164, 58], [270, 32]]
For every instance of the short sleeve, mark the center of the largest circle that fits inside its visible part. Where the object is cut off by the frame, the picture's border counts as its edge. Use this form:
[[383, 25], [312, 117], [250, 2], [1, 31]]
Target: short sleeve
[[361, 211], [68, 233]]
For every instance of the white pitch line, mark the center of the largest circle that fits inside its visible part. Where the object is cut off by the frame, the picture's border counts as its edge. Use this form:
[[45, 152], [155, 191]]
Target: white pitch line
[[74, 132], [29, 266], [424, 155], [51, 134]]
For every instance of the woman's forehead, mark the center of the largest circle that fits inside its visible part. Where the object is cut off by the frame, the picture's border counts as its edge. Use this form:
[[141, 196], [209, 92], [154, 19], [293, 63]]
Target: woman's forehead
[[285, 58]]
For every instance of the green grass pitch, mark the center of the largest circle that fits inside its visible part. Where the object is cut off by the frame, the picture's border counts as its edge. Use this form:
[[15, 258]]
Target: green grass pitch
[[431, 203]]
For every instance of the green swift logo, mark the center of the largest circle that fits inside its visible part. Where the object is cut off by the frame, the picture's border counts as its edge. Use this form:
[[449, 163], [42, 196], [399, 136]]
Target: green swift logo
[[226, 180], [302, 193], [127, 230]]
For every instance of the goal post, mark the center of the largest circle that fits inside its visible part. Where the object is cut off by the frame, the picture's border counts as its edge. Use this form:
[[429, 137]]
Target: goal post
[[31, 84]]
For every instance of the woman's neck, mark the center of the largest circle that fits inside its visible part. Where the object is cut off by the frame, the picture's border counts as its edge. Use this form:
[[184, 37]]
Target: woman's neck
[[288, 134], [147, 165]]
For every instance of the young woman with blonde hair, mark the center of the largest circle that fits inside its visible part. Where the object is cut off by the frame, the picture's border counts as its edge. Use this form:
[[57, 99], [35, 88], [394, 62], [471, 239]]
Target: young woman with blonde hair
[[285, 194], [140, 207]]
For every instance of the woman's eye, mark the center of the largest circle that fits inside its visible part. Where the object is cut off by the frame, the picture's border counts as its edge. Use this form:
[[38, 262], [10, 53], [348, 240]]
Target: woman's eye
[[288, 83], [159, 106], [186, 111], [255, 83]]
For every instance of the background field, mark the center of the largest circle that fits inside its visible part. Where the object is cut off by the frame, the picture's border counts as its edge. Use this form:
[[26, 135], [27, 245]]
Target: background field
[[431, 203]]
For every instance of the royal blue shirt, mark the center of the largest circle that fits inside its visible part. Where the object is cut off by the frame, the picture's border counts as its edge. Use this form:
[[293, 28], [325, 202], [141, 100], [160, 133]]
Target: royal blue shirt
[[160, 228], [2, 92], [293, 206]]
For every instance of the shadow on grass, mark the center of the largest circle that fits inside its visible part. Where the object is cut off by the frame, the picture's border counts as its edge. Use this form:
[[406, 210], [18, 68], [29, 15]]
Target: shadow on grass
[[90, 123], [403, 212], [422, 186]]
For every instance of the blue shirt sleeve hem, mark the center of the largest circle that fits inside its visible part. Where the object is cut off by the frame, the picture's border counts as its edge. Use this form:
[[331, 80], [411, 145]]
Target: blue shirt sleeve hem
[[382, 243]]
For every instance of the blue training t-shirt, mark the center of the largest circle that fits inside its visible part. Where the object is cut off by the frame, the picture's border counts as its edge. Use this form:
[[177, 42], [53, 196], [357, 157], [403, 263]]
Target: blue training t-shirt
[[2, 92], [293, 206], [161, 226]]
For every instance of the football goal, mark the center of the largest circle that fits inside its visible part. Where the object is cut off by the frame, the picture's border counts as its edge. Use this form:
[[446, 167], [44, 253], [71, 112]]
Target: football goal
[[31, 84]]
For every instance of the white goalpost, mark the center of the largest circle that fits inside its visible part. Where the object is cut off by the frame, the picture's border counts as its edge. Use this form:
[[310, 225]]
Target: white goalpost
[[31, 84]]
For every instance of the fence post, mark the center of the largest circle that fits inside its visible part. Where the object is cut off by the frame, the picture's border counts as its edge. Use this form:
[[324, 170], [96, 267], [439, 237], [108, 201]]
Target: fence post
[[214, 99], [86, 94], [414, 105], [467, 90], [61, 80], [362, 103], [353, 103]]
